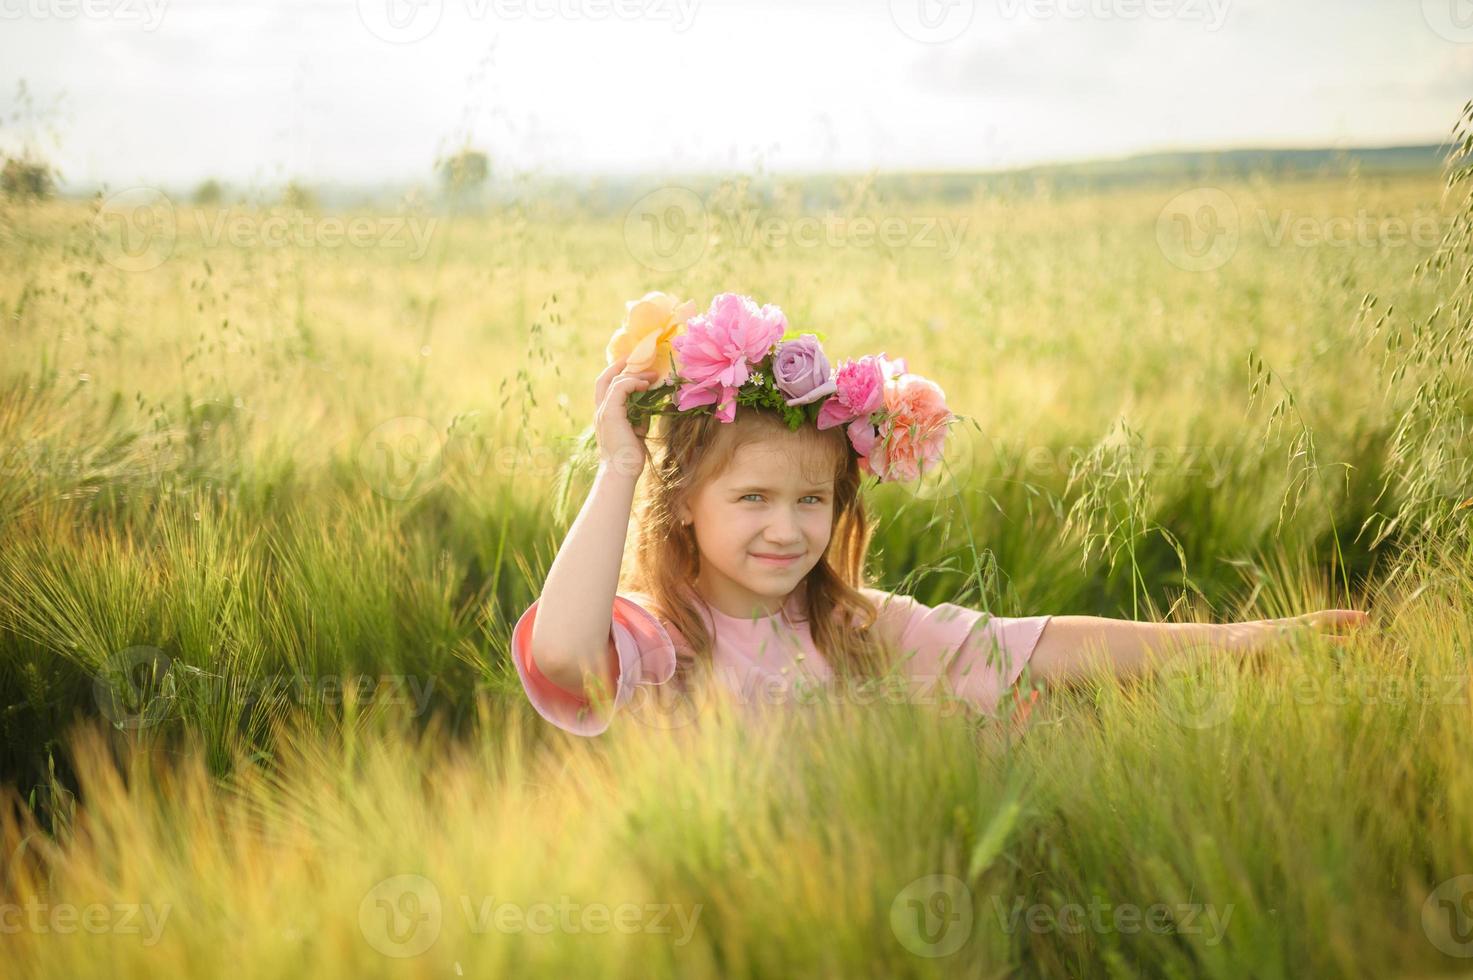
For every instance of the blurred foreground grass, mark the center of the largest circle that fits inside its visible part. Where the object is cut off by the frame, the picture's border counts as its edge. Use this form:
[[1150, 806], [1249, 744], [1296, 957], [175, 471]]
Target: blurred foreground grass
[[268, 508]]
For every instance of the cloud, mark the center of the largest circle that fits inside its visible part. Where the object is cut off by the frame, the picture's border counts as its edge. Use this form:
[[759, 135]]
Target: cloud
[[235, 88], [1448, 77]]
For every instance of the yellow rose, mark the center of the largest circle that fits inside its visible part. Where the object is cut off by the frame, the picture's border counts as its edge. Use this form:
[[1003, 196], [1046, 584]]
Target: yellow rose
[[650, 324]]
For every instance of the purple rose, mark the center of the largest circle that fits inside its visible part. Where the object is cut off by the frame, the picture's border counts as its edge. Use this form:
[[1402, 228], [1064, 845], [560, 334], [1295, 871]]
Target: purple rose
[[802, 371]]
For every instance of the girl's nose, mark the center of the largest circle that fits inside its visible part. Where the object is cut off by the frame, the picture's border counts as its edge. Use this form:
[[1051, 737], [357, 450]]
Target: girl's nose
[[784, 531]]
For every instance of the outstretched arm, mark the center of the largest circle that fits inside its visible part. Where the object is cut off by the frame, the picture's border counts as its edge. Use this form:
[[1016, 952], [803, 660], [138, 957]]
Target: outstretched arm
[[1071, 646]]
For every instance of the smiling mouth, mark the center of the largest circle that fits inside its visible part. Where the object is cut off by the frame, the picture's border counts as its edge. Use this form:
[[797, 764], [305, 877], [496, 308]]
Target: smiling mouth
[[778, 559]]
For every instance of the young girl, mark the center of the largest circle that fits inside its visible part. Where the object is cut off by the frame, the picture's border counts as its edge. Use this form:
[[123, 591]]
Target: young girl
[[752, 537]]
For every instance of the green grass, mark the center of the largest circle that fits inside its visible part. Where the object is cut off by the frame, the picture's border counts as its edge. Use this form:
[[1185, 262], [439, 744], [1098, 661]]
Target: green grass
[[249, 477]]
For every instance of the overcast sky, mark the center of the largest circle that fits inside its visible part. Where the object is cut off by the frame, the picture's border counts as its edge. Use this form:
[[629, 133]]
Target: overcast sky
[[169, 91]]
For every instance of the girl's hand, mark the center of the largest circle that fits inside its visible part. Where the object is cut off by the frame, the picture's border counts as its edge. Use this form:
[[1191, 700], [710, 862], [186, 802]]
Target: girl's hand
[[1336, 624], [619, 443]]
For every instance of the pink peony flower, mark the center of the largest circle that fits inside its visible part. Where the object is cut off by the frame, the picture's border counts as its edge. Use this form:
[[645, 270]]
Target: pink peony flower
[[858, 391], [912, 436], [801, 370], [717, 352], [861, 434]]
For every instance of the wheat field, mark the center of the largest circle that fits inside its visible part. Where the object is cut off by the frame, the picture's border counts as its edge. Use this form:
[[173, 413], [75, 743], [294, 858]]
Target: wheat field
[[276, 482]]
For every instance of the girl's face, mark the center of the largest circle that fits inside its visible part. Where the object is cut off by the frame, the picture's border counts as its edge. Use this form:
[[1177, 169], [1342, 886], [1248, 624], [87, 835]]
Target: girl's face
[[764, 505]]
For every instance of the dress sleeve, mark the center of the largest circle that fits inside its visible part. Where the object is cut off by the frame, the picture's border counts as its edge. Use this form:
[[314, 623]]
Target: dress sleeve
[[642, 650], [978, 656]]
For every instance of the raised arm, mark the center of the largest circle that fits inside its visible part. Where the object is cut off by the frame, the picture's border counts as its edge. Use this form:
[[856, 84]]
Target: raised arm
[[570, 638], [1070, 646]]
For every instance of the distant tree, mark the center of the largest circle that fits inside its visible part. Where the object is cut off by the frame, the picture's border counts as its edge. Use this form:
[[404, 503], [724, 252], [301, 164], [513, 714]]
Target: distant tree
[[463, 172], [209, 193], [298, 197], [26, 173], [27, 178]]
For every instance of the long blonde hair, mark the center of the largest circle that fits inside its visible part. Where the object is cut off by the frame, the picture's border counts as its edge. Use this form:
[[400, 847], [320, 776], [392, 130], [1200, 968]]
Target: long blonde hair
[[688, 449]]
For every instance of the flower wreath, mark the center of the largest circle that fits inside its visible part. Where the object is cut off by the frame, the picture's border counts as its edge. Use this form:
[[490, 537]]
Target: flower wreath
[[737, 353]]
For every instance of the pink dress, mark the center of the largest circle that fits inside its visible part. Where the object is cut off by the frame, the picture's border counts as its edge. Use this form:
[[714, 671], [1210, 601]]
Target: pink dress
[[974, 656]]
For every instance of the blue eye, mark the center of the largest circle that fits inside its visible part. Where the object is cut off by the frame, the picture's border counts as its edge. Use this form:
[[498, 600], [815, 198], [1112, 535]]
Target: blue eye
[[812, 496]]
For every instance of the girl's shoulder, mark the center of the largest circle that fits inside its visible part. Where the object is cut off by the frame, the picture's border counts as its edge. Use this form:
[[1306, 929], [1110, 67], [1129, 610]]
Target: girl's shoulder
[[894, 611], [899, 607], [879, 596], [905, 620]]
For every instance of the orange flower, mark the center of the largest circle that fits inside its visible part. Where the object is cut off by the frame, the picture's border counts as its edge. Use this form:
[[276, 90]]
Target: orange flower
[[913, 435], [650, 323]]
